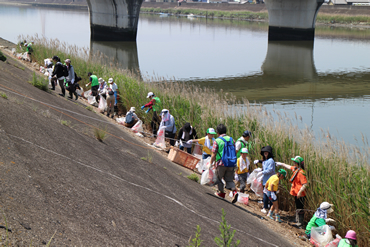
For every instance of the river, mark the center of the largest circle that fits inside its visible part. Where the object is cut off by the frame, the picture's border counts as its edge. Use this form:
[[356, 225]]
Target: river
[[326, 82]]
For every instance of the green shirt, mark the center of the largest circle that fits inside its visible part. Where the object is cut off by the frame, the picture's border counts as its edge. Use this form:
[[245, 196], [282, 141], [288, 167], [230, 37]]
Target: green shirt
[[157, 105], [220, 145], [314, 222], [94, 81], [343, 243]]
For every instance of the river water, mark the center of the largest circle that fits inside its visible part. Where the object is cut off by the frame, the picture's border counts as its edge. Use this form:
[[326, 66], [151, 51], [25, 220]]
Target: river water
[[326, 82]]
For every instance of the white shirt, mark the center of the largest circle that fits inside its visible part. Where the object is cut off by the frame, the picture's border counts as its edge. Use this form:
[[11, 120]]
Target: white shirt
[[113, 86]]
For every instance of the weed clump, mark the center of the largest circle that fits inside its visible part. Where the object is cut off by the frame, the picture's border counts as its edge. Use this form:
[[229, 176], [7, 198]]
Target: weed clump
[[2, 57], [40, 82], [193, 177], [100, 134]]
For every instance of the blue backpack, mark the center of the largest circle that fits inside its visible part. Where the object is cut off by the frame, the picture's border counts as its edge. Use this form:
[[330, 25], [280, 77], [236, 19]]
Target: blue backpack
[[229, 154], [130, 117]]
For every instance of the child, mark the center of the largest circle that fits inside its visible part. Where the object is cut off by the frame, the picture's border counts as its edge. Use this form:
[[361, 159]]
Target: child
[[270, 190], [350, 240], [243, 168], [207, 143], [320, 218]]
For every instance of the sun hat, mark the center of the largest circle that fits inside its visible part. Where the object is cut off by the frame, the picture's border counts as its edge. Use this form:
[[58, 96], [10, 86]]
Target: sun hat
[[327, 206], [164, 110], [101, 80], [282, 172], [244, 150], [298, 159], [110, 80], [150, 94], [351, 235], [211, 131], [132, 109], [67, 60], [246, 133]]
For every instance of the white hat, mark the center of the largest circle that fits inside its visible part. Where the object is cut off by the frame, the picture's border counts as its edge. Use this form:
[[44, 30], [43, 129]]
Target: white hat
[[110, 80], [101, 80], [132, 109], [327, 206], [150, 94], [165, 110], [244, 150]]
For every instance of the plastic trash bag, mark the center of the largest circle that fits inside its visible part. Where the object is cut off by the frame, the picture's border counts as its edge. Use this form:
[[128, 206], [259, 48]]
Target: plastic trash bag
[[335, 242], [203, 164], [87, 93], [243, 198], [138, 127], [197, 149], [160, 141], [102, 104], [257, 173], [91, 99], [322, 235], [121, 120], [257, 187], [209, 177]]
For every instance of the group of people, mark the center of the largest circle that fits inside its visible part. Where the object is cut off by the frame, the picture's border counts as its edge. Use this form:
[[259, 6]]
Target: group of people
[[230, 160]]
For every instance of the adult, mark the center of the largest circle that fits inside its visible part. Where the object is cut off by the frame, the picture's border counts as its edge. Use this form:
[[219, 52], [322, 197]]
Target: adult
[[29, 51], [131, 118], [113, 86], [94, 82], [186, 133], [102, 90], [243, 142], [206, 142], [70, 79], [320, 218], [222, 171], [110, 102], [270, 190], [299, 184], [350, 240], [268, 169], [168, 121], [57, 75], [155, 105]]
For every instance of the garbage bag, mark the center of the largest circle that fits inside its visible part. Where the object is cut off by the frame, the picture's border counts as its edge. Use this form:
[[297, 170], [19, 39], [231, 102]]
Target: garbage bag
[[160, 141], [322, 235], [102, 104], [209, 177], [197, 149], [257, 173], [257, 187], [243, 198], [87, 93], [121, 120], [203, 164], [138, 127], [91, 99]]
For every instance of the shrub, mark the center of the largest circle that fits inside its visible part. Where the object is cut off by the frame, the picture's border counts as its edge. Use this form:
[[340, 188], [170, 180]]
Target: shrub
[[2, 57]]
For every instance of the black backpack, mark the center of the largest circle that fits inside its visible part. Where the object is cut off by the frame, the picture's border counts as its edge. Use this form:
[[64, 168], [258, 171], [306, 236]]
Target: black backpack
[[130, 117], [110, 91], [65, 70], [77, 79]]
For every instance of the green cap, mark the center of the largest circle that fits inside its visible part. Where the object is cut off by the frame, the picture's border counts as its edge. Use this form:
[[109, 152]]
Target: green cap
[[211, 131], [283, 172], [244, 150], [298, 159]]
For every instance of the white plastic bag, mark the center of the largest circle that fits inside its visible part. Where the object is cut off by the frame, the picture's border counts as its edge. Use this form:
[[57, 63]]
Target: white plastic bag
[[322, 235], [121, 120], [209, 177], [243, 198], [257, 187], [256, 173], [91, 99], [102, 104], [160, 141], [203, 164], [87, 93], [138, 127], [197, 149], [255, 179]]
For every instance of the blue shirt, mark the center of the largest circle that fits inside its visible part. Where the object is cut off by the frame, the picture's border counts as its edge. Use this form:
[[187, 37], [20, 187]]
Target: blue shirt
[[170, 125], [268, 167]]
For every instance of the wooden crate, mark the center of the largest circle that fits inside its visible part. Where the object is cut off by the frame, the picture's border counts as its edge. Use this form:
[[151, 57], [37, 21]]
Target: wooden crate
[[183, 158]]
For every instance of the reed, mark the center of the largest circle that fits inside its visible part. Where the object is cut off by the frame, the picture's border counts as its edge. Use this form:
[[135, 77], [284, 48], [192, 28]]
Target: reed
[[337, 172]]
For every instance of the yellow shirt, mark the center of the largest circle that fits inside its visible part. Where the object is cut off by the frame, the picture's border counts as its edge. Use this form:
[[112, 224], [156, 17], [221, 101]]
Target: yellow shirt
[[273, 183], [205, 149], [238, 163]]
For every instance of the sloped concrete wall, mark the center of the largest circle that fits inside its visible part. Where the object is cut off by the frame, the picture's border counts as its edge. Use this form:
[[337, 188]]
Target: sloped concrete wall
[[114, 20]]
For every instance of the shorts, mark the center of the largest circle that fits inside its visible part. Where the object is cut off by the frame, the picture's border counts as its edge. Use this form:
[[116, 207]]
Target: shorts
[[271, 196]]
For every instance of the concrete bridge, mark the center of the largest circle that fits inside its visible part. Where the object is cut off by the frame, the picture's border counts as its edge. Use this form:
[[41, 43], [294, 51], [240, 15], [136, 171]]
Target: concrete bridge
[[116, 20]]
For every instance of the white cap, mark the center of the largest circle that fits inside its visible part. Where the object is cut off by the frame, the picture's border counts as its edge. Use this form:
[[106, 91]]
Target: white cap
[[244, 150], [165, 110], [132, 109], [327, 206], [150, 94], [100, 80], [110, 80]]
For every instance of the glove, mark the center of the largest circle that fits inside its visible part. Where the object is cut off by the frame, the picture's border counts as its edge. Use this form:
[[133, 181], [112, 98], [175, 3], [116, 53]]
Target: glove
[[329, 220], [176, 144], [189, 142], [147, 110], [332, 228], [278, 163], [142, 108], [87, 85], [256, 162]]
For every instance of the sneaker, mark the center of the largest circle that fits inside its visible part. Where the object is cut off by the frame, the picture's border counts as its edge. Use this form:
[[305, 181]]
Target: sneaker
[[76, 97], [264, 211], [107, 115], [278, 218], [270, 214], [220, 194], [236, 195]]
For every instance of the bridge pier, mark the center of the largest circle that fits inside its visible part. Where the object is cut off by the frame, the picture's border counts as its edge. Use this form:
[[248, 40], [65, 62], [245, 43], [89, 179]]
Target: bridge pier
[[114, 20], [292, 19]]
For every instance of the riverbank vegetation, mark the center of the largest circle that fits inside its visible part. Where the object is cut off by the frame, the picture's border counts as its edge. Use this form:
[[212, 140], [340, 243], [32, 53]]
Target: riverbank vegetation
[[337, 172], [248, 15]]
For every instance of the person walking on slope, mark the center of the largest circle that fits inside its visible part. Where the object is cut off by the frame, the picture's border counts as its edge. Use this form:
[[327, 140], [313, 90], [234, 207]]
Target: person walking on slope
[[270, 190], [186, 134], [111, 99], [268, 169], [102, 89], [224, 159], [155, 105], [93, 80], [320, 218], [243, 142], [350, 240], [243, 168], [299, 184], [168, 121], [113, 86], [58, 75], [70, 79], [207, 143]]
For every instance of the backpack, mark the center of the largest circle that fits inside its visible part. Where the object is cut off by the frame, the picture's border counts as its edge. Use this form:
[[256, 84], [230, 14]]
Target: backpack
[[229, 154], [110, 91], [77, 79], [130, 117], [65, 70]]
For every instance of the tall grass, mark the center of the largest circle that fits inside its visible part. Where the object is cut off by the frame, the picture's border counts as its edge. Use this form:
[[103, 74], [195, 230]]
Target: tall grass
[[336, 171], [40, 82]]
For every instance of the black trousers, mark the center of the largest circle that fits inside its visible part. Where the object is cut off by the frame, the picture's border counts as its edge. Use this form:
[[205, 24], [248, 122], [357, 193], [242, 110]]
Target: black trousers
[[154, 122], [172, 136], [299, 204]]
